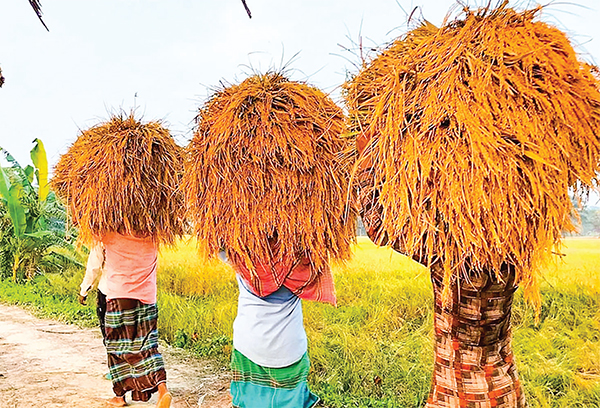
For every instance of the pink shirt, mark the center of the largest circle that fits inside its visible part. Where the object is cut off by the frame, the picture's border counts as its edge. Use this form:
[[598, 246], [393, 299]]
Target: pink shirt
[[130, 267]]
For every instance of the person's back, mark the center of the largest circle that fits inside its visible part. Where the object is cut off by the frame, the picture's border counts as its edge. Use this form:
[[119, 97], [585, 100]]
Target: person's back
[[130, 266]]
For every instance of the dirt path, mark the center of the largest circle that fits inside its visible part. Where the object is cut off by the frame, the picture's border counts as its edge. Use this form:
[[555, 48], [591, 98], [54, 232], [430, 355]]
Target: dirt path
[[44, 363]]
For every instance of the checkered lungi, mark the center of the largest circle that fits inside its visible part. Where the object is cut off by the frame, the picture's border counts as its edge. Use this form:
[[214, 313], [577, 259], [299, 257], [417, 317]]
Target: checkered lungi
[[474, 365], [132, 346]]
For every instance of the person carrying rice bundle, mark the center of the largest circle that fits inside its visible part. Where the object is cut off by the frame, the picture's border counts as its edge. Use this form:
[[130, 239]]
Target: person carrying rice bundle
[[267, 180], [120, 180], [471, 137]]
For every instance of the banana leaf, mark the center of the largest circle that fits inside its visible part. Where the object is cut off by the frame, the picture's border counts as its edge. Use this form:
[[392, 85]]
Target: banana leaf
[[17, 172], [38, 157], [11, 194], [30, 173]]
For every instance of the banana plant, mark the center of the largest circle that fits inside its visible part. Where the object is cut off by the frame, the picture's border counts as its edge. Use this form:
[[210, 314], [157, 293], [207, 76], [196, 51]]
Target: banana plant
[[12, 193], [40, 161], [36, 234]]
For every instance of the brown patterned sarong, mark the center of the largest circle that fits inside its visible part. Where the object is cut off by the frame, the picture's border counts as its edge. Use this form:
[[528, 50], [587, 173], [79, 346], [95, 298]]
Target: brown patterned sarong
[[132, 346], [474, 365]]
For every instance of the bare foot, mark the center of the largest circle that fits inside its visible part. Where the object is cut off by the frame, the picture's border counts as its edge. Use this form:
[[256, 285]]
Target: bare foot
[[117, 402], [164, 397], [164, 401]]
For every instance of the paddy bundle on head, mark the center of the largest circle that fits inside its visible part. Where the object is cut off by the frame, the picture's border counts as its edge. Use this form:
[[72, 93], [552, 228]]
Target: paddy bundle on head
[[472, 136], [266, 162], [123, 176]]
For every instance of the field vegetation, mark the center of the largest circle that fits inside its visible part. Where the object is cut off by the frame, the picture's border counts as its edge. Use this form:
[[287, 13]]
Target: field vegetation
[[375, 348]]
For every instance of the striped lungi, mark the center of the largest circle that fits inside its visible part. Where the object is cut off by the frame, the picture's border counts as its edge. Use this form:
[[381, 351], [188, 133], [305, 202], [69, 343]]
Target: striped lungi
[[255, 386], [132, 346]]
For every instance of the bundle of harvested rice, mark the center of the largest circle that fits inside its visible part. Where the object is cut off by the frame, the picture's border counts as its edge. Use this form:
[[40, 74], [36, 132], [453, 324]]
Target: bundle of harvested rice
[[266, 162], [123, 176], [472, 136]]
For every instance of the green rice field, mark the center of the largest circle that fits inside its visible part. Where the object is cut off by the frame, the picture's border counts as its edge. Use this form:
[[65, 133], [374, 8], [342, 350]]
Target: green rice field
[[375, 348]]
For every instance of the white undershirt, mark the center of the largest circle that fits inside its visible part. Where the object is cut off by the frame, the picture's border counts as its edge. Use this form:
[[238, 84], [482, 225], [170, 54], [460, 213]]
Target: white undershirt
[[269, 331]]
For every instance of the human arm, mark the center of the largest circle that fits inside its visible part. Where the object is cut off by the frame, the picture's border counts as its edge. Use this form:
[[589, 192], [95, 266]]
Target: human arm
[[93, 271]]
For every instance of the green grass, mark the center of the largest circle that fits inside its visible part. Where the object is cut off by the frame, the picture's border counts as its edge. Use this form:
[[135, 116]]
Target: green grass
[[559, 359], [46, 297], [375, 348]]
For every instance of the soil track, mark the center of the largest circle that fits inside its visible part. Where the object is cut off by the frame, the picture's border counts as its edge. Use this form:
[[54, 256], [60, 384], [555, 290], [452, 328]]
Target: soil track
[[45, 363]]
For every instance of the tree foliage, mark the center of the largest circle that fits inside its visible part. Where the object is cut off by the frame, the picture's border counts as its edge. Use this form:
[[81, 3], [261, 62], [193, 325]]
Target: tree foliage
[[37, 7]]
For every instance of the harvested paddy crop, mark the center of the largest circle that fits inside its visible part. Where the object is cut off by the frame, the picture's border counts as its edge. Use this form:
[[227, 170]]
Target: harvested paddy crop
[[471, 137], [267, 162], [123, 176]]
